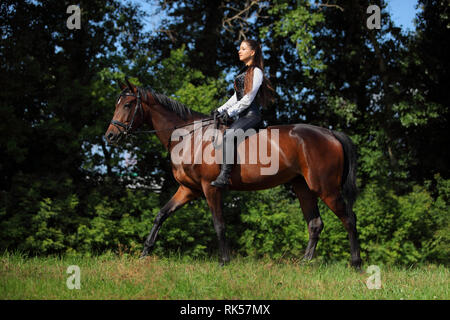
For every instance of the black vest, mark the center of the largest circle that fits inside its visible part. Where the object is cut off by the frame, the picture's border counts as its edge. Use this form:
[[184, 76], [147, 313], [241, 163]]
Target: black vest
[[254, 107]]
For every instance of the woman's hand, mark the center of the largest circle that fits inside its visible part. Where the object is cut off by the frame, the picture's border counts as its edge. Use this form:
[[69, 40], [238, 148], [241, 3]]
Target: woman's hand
[[224, 117], [215, 113]]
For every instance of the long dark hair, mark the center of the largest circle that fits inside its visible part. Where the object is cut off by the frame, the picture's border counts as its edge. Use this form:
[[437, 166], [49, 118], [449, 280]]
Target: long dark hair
[[266, 93]]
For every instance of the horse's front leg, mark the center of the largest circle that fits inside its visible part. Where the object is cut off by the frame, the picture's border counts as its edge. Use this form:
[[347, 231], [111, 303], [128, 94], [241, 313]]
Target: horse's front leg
[[213, 196], [182, 196]]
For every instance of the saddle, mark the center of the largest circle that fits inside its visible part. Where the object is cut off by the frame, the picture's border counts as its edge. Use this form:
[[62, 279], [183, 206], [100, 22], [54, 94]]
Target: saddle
[[218, 121]]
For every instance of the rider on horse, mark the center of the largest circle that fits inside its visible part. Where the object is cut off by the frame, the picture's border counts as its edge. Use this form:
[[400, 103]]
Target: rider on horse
[[251, 89]]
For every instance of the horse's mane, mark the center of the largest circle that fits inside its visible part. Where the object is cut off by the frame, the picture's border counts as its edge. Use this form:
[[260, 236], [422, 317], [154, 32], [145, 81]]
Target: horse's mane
[[180, 109]]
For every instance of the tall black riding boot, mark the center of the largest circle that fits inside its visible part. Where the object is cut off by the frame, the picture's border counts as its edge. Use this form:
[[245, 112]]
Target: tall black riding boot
[[222, 179]]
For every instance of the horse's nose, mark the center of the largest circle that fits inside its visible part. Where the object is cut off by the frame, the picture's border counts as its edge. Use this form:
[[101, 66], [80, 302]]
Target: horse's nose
[[110, 137]]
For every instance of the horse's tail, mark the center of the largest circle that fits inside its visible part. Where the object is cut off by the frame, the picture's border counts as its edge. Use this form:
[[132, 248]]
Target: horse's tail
[[349, 189]]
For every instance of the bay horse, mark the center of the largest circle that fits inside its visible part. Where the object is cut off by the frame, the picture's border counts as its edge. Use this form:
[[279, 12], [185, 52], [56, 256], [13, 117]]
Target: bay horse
[[318, 162]]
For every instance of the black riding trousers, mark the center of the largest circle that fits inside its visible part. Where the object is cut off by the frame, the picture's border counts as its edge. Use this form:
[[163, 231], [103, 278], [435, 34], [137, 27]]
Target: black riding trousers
[[249, 118]]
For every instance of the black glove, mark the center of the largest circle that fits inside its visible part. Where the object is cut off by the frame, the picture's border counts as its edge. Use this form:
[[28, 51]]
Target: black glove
[[224, 117], [215, 113]]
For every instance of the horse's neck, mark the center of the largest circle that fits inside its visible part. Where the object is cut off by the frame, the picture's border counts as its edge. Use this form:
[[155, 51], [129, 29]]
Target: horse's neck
[[165, 122]]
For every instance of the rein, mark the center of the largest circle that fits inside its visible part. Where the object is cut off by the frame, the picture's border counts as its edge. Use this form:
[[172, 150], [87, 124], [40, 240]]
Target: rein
[[172, 128], [128, 128]]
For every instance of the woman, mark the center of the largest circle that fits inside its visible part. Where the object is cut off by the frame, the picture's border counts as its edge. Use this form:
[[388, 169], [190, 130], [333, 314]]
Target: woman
[[251, 89]]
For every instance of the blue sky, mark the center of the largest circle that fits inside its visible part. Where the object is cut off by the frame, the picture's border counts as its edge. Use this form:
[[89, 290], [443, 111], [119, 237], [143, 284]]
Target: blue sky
[[402, 13]]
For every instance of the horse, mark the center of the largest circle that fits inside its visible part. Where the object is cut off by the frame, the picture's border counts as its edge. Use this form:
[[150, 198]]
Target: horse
[[317, 162]]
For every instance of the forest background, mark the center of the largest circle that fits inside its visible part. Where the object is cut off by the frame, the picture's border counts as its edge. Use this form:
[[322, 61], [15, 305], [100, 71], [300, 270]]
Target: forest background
[[64, 191]]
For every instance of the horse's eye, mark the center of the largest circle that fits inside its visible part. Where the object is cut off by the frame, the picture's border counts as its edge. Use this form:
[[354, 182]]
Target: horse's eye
[[128, 105]]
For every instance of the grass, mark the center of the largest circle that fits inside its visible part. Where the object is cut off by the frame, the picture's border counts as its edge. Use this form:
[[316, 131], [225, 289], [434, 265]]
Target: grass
[[125, 277]]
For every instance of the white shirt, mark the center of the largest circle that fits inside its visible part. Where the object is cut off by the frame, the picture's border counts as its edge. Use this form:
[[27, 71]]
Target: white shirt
[[233, 106]]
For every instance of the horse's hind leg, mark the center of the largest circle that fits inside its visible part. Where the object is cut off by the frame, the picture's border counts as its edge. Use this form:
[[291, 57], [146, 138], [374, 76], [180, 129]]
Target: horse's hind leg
[[308, 203], [337, 204]]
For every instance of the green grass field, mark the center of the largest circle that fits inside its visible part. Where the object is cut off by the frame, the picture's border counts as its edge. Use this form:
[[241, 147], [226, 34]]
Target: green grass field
[[125, 277]]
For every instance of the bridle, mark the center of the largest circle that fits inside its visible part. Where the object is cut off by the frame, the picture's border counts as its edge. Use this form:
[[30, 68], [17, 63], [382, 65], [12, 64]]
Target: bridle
[[127, 128]]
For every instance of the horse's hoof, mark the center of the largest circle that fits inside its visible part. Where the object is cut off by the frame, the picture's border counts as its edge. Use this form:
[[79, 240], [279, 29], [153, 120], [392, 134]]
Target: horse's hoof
[[356, 264], [143, 255], [358, 268], [223, 263], [307, 258]]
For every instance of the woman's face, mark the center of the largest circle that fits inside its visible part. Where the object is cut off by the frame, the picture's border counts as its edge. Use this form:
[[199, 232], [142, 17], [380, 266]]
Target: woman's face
[[246, 53]]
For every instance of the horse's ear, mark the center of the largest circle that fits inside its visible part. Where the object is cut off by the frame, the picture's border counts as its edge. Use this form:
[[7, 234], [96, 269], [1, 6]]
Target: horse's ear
[[121, 85], [130, 86]]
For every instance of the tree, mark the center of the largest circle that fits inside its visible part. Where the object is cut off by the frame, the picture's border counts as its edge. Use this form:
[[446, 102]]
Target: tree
[[53, 119], [425, 114]]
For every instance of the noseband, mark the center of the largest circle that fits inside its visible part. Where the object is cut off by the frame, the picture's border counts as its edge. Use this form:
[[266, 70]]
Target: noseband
[[127, 128]]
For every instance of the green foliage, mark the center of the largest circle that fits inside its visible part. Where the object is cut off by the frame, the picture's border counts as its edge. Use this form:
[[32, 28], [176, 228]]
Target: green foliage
[[274, 225], [47, 233], [114, 224], [439, 244], [345, 110], [411, 115], [187, 85], [62, 190], [297, 23]]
